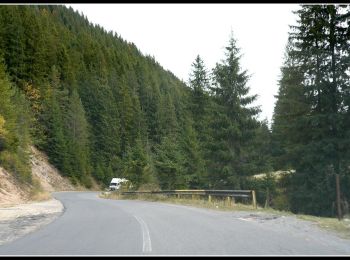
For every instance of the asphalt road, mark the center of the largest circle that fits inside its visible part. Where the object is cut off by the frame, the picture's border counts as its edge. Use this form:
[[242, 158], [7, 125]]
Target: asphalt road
[[95, 226]]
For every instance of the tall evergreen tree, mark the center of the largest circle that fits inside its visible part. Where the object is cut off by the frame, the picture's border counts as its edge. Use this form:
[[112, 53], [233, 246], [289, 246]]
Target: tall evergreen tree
[[199, 82], [55, 143], [316, 83], [14, 129], [77, 135], [196, 134], [199, 106], [169, 164], [234, 122]]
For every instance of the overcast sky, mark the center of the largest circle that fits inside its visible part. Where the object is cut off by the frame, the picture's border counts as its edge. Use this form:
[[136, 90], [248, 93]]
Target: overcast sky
[[175, 33]]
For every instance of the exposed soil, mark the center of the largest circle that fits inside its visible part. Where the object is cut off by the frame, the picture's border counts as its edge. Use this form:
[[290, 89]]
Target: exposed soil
[[49, 176], [20, 211], [10, 192]]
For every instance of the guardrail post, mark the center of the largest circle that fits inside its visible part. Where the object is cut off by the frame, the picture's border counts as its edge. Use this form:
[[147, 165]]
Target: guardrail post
[[229, 201], [178, 196], [209, 198], [254, 199], [338, 196]]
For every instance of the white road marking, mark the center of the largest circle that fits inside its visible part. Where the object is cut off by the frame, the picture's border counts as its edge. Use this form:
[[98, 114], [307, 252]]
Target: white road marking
[[146, 246]]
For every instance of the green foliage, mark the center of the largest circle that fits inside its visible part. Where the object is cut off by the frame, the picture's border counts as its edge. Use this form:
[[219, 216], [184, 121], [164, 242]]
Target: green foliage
[[137, 167], [17, 164], [169, 164], [14, 129], [233, 124], [310, 128]]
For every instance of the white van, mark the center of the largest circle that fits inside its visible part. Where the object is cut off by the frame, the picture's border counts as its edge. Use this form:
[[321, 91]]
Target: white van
[[116, 183]]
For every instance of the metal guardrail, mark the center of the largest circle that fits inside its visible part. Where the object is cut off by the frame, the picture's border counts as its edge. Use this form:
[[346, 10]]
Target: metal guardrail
[[229, 194]]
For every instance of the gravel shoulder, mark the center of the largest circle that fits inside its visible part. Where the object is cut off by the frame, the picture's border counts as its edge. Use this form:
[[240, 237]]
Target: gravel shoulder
[[22, 219]]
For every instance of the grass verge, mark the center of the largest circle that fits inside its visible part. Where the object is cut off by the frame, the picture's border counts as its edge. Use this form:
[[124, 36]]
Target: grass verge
[[341, 228], [198, 201]]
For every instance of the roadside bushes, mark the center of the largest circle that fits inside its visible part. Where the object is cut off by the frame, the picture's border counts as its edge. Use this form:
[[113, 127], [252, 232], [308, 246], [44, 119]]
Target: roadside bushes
[[149, 187], [270, 191], [17, 165]]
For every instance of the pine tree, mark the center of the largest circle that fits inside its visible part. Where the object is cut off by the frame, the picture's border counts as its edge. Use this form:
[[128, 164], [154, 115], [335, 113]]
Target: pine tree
[[55, 138], [197, 133], [14, 129], [233, 123], [199, 82], [103, 117], [313, 91], [77, 135], [193, 163], [290, 105], [168, 161], [199, 105], [138, 167], [13, 41]]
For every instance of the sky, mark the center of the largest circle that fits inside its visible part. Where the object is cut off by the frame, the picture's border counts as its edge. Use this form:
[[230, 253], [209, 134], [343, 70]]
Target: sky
[[176, 33]]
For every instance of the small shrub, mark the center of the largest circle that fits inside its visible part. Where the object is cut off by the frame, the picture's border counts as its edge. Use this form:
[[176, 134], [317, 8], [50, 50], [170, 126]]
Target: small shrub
[[37, 193], [281, 202], [12, 163], [149, 187], [86, 182]]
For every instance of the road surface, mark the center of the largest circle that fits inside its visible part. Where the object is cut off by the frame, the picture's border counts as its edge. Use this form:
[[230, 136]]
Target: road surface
[[94, 226]]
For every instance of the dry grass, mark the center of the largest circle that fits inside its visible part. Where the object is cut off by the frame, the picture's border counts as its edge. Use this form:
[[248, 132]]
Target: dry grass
[[40, 196], [342, 227], [201, 202], [38, 193]]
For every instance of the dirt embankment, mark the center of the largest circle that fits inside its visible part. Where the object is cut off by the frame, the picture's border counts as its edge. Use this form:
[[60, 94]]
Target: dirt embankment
[[10, 192], [46, 177], [49, 177], [25, 208]]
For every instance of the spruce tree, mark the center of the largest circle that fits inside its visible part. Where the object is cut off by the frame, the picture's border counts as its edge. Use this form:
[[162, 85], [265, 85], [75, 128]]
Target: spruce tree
[[78, 137], [313, 94], [234, 121]]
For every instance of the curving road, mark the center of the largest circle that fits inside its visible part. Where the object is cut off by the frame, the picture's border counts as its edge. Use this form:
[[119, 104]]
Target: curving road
[[95, 226]]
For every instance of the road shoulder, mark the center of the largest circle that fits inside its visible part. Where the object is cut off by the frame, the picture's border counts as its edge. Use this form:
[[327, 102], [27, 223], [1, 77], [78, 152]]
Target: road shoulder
[[22, 219]]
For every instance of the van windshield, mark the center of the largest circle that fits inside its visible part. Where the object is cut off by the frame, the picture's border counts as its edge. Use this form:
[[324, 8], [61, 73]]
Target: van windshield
[[113, 184]]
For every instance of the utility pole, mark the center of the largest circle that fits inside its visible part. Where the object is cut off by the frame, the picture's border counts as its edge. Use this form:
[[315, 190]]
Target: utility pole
[[338, 196]]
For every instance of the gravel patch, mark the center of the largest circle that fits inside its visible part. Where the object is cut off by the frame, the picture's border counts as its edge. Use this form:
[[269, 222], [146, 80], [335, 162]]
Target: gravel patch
[[22, 219], [295, 228]]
